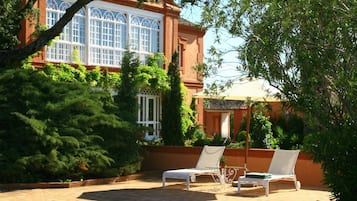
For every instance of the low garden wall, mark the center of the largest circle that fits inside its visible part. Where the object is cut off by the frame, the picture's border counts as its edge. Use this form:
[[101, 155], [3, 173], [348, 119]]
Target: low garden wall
[[173, 157]]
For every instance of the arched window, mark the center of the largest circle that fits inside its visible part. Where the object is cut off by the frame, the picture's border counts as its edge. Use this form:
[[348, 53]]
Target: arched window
[[101, 32], [108, 37], [144, 38]]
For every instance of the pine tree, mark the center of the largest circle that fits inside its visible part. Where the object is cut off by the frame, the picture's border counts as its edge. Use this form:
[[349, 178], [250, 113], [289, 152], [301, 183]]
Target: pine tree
[[48, 128], [122, 144], [129, 88], [171, 107]]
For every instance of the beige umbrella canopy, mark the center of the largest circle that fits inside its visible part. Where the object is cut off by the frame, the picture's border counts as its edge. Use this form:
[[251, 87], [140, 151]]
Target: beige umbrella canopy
[[250, 91], [256, 90]]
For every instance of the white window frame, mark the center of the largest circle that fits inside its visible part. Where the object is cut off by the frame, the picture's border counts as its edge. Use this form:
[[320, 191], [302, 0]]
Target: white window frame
[[147, 119], [64, 46], [153, 44]]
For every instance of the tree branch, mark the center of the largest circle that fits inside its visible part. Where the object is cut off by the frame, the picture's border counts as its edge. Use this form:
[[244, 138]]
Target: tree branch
[[8, 57]]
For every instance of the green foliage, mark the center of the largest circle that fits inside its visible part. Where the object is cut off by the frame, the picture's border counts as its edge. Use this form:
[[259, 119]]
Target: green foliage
[[78, 133], [192, 130], [336, 147], [289, 130], [12, 14], [60, 114], [240, 139], [129, 88], [153, 74], [95, 78], [216, 140], [171, 130], [241, 135], [260, 131], [122, 145], [125, 139], [307, 49], [47, 128]]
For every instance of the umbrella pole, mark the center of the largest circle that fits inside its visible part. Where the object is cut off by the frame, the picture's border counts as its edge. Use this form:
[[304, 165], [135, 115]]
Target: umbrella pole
[[247, 137]]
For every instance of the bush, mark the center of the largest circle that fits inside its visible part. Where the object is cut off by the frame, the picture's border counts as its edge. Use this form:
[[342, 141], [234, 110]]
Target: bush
[[46, 128], [338, 159], [290, 132], [55, 130], [260, 131], [217, 140]]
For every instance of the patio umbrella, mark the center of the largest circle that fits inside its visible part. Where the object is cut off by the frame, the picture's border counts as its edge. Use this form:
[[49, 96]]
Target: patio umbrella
[[250, 91]]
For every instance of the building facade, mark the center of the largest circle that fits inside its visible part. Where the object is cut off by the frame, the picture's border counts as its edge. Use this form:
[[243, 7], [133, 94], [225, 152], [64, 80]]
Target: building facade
[[104, 29]]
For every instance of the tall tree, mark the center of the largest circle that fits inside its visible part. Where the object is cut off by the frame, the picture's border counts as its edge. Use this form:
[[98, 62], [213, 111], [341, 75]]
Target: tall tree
[[307, 49], [129, 88], [171, 130]]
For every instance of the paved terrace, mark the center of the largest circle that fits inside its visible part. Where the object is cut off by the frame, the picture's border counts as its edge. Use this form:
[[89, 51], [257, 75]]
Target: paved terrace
[[148, 188]]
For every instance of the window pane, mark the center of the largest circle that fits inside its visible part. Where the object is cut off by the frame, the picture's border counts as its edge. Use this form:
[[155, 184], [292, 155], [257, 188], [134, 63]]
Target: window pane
[[151, 109], [109, 34], [72, 37], [51, 18], [108, 30], [78, 26], [134, 38], [95, 32], [95, 55], [145, 37]]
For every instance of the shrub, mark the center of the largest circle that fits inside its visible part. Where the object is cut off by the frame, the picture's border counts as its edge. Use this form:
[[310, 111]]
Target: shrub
[[290, 131], [217, 140], [339, 159], [260, 131], [46, 128]]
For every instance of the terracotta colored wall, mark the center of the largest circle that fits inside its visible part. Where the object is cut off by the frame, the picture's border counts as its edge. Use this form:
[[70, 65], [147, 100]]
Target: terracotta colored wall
[[169, 157], [238, 118], [190, 40], [192, 56], [212, 123]]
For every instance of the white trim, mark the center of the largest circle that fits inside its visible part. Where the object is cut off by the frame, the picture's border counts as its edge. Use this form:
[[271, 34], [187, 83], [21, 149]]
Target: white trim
[[144, 113], [126, 9], [113, 52]]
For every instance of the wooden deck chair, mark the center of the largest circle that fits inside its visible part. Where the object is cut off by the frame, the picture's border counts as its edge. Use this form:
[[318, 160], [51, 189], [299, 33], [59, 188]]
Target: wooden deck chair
[[282, 167], [207, 164]]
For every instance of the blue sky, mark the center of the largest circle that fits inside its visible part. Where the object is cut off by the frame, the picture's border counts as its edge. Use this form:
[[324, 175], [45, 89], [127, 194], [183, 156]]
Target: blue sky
[[228, 70]]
